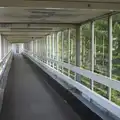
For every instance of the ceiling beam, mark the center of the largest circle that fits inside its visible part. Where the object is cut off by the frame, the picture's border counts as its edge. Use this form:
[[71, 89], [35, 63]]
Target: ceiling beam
[[37, 25], [80, 4]]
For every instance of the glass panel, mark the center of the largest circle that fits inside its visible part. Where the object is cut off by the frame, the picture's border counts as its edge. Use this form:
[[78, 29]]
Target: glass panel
[[85, 33], [55, 49], [60, 49], [72, 50], [85, 81], [101, 53], [66, 49], [86, 46], [73, 46], [65, 45], [116, 56]]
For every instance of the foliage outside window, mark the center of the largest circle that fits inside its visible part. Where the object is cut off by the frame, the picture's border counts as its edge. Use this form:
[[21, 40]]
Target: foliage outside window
[[72, 50], [59, 35], [116, 55], [85, 33], [65, 49], [55, 49], [101, 53]]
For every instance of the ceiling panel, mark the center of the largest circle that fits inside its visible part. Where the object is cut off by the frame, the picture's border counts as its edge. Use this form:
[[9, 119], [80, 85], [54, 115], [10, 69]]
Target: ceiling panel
[[22, 14], [26, 23]]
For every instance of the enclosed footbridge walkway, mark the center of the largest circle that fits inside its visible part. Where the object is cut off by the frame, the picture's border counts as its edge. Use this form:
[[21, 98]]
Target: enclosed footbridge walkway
[[60, 60]]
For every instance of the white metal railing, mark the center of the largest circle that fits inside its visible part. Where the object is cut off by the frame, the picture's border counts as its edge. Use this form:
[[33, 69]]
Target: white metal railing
[[4, 69], [115, 84], [3, 62], [105, 103]]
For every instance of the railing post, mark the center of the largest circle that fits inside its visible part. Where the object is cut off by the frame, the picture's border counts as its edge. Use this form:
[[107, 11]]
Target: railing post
[[77, 50], [110, 52], [92, 53]]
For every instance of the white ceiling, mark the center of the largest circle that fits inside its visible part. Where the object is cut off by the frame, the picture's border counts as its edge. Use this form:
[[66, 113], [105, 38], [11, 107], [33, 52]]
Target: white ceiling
[[21, 24], [48, 15]]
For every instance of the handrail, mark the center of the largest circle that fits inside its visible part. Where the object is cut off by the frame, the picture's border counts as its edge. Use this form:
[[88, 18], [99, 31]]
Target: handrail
[[3, 59], [115, 84], [93, 96]]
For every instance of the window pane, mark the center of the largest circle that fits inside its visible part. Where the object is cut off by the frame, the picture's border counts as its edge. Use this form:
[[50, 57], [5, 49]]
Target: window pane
[[116, 56], [60, 49], [65, 49], [86, 46], [72, 51], [85, 51], [101, 53]]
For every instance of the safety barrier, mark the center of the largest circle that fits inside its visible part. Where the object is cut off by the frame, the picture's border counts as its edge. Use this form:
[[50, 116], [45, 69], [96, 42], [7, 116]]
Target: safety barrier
[[102, 102], [5, 64]]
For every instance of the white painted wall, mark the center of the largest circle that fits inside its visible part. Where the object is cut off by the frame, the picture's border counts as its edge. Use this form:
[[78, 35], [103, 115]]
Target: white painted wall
[[14, 47]]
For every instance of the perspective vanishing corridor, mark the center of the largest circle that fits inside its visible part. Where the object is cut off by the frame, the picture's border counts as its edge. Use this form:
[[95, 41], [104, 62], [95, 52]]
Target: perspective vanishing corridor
[[60, 60]]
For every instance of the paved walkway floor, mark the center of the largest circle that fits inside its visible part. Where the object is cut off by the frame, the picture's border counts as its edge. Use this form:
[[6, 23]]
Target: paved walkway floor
[[29, 97]]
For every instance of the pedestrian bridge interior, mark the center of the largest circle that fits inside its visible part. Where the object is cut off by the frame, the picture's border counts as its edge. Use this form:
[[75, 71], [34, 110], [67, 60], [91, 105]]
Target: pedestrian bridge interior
[[59, 60]]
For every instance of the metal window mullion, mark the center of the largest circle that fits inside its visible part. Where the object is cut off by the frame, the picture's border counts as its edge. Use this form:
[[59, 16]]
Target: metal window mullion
[[3, 46], [48, 50], [110, 52], [92, 54], [6, 46], [50, 46], [45, 52], [69, 50], [44, 49], [62, 35], [36, 48], [33, 48], [40, 49], [0, 47], [77, 50], [53, 38], [57, 48], [47, 47]]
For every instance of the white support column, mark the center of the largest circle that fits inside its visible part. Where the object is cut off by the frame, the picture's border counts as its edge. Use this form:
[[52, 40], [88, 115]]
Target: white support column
[[47, 47], [43, 49], [53, 37], [0, 47], [95, 50], [6, 48], [36, 47], [62, 35], [32, 46], [57, 49], [40, 49], [92, 54], [50, 47], [3, 47], [80, 46], [77, 50], [110, 52], [69, 50]]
